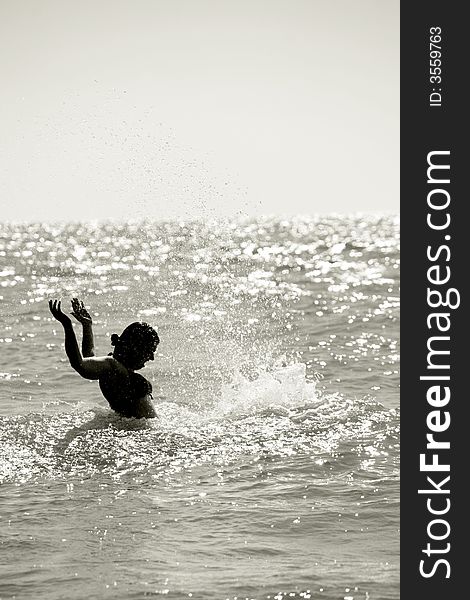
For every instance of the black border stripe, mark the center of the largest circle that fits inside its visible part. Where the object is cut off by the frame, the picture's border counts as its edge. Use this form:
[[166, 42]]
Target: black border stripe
[[424, 129]]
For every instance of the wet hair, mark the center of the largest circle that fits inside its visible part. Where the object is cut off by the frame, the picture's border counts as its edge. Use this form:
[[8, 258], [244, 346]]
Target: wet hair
[[136, 335]]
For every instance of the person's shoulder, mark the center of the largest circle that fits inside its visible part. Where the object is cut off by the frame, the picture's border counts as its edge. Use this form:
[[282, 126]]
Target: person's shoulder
[[94, 367], [112, 363], [111, 369], [109, 363]]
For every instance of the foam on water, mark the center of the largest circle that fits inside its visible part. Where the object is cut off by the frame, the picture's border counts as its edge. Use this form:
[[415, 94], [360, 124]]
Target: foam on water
[[283, 388], [275, 450], [276, 414]]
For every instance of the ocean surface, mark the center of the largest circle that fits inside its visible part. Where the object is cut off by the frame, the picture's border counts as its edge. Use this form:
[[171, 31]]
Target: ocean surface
[[272, 469]]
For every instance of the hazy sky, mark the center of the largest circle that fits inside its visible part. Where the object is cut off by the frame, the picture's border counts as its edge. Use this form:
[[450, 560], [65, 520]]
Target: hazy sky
[[163, 108]]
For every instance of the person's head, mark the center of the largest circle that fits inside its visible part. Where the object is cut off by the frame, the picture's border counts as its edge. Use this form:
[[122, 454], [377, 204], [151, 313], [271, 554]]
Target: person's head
[[136, 345]]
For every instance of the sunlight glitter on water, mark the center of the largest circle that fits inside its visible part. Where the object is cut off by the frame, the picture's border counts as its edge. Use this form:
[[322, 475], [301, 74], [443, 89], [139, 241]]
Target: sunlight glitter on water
[[275, 451]]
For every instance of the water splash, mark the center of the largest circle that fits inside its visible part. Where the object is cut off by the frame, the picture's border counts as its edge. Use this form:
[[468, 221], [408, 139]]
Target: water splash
[[276, 414]]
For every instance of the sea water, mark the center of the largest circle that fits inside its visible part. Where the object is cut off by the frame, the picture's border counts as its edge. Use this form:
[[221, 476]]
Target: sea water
[[272, 468]]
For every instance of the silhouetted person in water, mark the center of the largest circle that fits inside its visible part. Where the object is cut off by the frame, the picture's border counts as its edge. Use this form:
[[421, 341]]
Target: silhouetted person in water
[[127, 392]]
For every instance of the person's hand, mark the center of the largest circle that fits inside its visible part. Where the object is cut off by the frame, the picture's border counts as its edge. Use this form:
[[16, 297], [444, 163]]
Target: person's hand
[[80, 312], [55, 308]]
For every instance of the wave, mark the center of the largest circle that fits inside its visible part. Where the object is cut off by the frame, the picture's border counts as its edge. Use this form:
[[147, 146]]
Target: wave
[[279, 413]]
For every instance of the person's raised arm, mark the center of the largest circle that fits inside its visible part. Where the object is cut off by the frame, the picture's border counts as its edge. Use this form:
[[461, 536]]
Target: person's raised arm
[[89, 368], [83, 316]]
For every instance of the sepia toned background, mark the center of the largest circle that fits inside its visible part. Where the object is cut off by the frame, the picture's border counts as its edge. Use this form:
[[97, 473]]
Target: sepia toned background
[[161, 108]]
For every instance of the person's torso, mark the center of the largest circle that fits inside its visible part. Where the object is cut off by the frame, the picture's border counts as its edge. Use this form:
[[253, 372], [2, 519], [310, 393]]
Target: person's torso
[[125, 390]]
